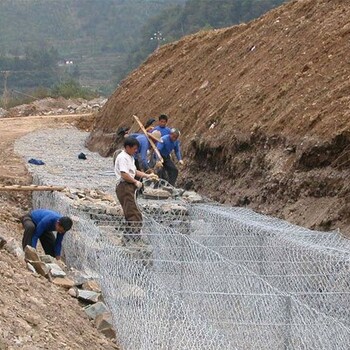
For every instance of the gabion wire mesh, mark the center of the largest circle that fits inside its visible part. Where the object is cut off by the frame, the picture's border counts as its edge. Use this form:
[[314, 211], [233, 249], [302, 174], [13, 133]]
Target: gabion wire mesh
[[205, 276]]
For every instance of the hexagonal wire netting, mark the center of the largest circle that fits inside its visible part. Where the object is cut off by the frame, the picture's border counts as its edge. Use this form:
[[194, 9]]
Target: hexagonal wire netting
[[203, 276]]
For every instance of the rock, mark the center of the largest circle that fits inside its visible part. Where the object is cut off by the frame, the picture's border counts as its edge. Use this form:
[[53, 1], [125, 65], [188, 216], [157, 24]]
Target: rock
[[156, 193], [127, 290], [192, 197], [88, 295], [40, 268], [56, 270], [104, 321], [31, 254], [92, 285], [96, 309], [33, 320], [73, 292], [113, 211], [174, 208], [47, 259], [3, 112], [12, 247], [78, 277], [109, 333], [30, 267], [63, 282]]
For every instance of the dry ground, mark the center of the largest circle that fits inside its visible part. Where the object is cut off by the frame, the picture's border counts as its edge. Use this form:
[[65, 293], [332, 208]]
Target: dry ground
[[34, 314]]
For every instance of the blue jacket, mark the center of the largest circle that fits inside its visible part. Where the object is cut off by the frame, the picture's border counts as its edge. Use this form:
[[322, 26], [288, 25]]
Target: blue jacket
[[135, 134], [142, 150], [45, 221], [163, 130], [168, 146]]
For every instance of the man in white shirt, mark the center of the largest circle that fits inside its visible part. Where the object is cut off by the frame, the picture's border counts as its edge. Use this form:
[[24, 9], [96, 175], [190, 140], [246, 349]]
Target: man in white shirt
[[126, 172]]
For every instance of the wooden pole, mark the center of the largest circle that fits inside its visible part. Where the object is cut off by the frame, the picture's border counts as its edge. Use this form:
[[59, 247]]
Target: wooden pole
[[30, 188], [155, 149]]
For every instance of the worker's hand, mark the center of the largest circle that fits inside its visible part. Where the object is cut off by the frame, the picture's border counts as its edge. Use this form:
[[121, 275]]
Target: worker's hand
[[158, 165], [138, 184], [153, 177], [181, 162]]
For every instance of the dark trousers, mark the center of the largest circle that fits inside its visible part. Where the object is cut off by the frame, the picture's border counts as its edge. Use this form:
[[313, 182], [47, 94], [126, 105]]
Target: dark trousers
[[169, 171], [126, 195], [47, 239]]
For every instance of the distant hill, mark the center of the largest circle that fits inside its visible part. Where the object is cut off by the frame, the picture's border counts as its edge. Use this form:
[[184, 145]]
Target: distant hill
[[93, 34], [103, 40]]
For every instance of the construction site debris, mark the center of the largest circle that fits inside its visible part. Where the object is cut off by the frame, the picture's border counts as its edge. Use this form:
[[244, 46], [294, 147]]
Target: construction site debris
[[55, 106], [92, 286], [96, 309], [55, 270], [64, 282]]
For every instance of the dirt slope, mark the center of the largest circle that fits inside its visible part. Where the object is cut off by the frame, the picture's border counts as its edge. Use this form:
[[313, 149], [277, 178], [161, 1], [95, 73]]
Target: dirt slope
[[34, 314], [263, 107]]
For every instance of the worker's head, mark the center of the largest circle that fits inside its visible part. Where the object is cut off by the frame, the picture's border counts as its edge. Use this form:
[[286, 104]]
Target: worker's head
[[162, 120], [156, 136], [64, 224], [149, 124], [174, 134], [131, 145]]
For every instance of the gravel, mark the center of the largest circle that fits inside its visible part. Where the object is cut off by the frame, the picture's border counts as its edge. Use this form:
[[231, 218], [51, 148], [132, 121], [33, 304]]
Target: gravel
[[59, 150]]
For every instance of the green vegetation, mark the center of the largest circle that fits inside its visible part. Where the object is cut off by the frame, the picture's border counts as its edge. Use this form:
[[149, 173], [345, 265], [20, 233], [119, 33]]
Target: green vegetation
[[103, 40], [72, 89], [38, 67], [93, 34]]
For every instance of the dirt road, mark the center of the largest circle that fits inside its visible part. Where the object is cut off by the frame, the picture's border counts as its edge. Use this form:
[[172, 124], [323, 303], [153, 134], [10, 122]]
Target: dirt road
[[11, 167]]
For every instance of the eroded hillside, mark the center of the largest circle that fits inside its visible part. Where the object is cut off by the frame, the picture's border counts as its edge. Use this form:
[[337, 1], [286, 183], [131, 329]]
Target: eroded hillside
[[263, 108]]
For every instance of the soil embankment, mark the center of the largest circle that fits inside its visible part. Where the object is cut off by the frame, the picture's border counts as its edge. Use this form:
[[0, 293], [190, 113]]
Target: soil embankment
[[33, 312], [263, 108]]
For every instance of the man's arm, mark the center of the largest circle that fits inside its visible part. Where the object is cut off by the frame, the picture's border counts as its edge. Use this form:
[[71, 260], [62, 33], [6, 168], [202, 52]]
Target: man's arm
[[128, 178], [58, 246], [177, 150]]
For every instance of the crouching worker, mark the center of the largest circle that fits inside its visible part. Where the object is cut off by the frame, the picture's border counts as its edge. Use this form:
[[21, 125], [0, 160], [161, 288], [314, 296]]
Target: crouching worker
[[125, 171], [39, 224]]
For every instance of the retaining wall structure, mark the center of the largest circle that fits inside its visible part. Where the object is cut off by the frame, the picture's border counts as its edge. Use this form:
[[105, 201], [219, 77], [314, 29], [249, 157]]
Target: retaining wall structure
[[206, 276]]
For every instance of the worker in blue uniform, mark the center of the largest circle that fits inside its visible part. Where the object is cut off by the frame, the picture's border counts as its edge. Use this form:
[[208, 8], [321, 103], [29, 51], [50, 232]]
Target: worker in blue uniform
[[170, 143], [142, 160], [162, 125], [39, 224]]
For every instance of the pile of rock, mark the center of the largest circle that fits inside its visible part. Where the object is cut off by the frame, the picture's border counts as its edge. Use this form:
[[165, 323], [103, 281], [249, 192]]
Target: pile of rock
[[192, 197], [78, 285], [167, 191], [52, 106], [95, 202], [3, 112]]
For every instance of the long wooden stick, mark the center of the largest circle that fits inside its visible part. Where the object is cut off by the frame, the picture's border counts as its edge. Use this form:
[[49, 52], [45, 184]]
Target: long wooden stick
[[155, 149], [30, 188]]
